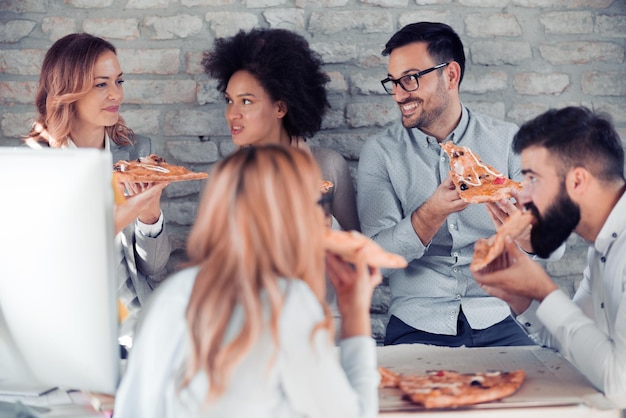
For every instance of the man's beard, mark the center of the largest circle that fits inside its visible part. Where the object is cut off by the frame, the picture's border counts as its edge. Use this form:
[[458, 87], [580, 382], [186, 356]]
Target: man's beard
[[552, 229], [428, 117]]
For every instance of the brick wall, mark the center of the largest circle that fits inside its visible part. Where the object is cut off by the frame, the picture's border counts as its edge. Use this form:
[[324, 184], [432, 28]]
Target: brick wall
[[524, 56]]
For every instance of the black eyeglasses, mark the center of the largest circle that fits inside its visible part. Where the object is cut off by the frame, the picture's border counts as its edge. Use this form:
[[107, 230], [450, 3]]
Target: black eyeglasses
[[408, 82]]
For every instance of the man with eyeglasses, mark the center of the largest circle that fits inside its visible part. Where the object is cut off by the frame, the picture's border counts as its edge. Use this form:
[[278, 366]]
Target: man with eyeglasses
[[407, 202]]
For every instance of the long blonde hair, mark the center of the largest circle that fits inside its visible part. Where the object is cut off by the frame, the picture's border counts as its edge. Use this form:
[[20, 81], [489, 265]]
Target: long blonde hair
[[257, 221], [67, 75]]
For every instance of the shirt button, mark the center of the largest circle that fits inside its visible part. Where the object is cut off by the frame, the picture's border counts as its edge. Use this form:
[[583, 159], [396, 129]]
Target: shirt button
[[457, 297], [603, 259], [456, 254], [455, 269], [451, 226], [614, 234], [527, 324], [443, 159], [602, 305]]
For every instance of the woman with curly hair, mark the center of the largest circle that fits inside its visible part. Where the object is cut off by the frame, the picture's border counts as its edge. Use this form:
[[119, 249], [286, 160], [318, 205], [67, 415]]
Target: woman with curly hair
[[275, 93], [244, 330]]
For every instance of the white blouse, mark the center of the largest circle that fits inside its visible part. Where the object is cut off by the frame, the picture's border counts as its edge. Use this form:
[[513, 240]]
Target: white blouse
[[306, 379]]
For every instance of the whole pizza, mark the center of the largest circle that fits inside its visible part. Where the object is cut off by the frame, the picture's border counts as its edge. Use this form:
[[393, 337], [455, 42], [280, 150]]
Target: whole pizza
[[475, 181], [450, 389]]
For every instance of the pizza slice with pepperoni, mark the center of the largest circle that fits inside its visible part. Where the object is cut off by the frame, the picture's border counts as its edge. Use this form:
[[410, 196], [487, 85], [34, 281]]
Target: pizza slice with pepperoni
[[475, 181]]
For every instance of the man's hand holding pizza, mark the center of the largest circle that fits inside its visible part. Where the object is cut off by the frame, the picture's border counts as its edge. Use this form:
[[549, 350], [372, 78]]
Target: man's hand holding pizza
[[499, 211], [515, 278], [428, 218]]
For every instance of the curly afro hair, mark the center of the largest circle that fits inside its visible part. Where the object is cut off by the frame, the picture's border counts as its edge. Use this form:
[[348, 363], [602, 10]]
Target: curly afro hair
[[284, 65]]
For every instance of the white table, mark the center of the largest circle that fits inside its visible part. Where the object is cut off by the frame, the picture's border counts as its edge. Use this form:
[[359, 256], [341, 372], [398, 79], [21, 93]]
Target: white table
[[552, 388]]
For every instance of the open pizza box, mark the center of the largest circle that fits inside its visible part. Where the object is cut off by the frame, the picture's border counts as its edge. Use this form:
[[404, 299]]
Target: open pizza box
[[550, 379]]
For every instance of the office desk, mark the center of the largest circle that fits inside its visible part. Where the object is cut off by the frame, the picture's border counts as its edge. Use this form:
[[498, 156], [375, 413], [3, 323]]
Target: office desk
[[552, 388], [56, 404]]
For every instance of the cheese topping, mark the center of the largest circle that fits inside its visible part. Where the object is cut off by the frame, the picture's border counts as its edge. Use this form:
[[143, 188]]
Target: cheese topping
[[459, 170], [156, 168]]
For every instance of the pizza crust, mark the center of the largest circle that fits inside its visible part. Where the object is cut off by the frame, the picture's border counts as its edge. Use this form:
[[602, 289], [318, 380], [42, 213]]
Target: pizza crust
[[388, 379], [152, 169], [488, 249], [352, 245], [475, 181]]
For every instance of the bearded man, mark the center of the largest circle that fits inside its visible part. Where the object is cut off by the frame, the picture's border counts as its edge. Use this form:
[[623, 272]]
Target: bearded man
[[573, 167]]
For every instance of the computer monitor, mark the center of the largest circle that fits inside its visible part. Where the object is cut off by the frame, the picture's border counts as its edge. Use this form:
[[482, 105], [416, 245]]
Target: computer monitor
[[58, 304]]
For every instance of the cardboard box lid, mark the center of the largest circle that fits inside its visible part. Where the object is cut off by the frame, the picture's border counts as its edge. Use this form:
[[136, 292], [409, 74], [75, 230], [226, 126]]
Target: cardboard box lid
[[550, 379]]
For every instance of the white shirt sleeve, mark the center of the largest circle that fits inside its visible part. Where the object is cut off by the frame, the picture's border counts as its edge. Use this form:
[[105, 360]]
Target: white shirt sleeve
[[600, 358], [152, 230], [318, 380]]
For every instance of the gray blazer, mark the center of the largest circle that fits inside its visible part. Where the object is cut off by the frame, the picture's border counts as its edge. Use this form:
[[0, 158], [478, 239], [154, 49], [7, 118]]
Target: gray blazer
[[139, 275]]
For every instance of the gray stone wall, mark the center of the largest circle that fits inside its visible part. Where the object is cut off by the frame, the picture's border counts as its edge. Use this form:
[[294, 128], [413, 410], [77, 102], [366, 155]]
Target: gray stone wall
[[524, 56]]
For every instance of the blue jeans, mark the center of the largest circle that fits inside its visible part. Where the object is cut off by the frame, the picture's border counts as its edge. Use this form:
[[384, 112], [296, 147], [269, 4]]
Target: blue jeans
[[506, 332]]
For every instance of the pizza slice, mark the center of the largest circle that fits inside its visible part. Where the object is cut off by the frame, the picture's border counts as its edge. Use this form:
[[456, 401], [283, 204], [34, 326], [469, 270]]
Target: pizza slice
[[488, 249], [475, 181], [325, 186], [352, 245], [450, 389], [388, 379], [152, 169]]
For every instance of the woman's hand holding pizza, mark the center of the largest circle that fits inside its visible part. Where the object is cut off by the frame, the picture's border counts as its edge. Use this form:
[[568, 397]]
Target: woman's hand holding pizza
[[354, 284], [515, 278], [143, 202], [151, 202]]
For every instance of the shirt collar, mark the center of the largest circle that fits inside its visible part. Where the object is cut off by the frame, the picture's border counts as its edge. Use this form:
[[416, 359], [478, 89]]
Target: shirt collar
[[460, 129], [107, 146], [614, 225]]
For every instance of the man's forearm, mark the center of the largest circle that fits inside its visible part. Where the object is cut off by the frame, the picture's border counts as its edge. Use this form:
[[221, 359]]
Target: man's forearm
[[426, 222]]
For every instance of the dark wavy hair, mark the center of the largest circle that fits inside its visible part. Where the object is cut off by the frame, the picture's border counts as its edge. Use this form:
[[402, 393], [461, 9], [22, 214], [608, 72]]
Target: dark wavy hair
[[577, 137], [284, 65], [444, 44]]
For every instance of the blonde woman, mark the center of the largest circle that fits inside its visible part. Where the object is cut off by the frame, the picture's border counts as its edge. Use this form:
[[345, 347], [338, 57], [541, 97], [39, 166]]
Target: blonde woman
[[78, 100], [244, 331]]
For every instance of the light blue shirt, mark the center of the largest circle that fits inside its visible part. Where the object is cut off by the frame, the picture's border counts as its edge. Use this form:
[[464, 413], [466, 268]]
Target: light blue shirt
[[399, 169]]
